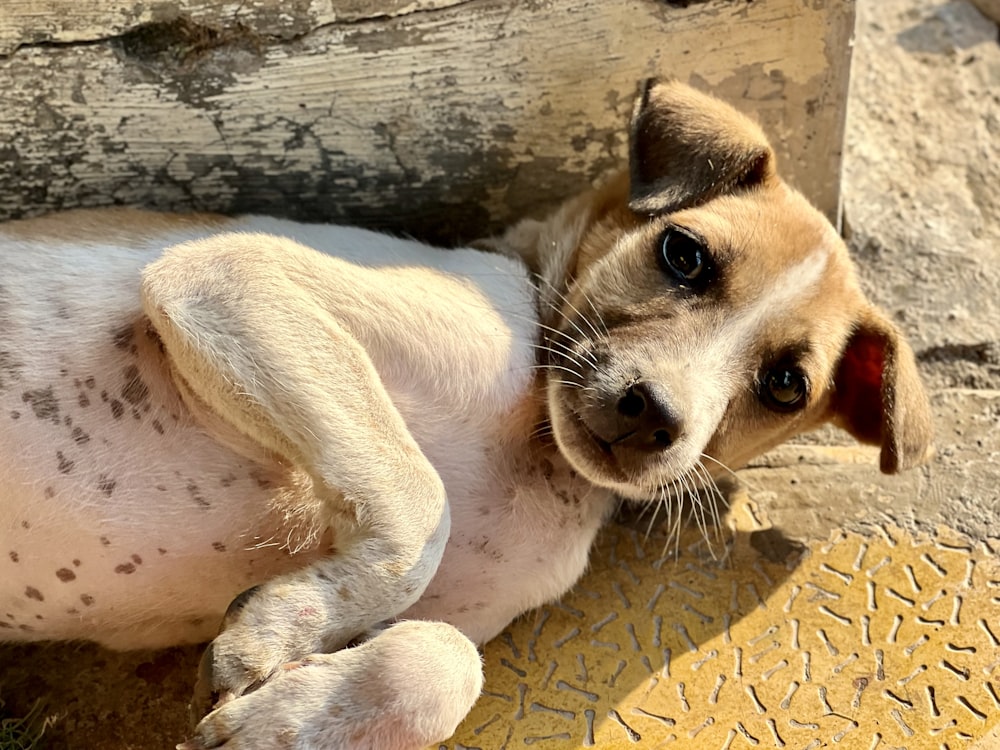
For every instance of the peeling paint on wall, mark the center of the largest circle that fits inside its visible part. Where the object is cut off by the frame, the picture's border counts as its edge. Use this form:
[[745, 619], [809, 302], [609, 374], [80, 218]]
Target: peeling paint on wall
[[445, 119]]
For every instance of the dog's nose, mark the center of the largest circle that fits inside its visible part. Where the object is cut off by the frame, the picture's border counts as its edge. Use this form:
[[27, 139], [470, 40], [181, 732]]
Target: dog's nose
[[646, 412]]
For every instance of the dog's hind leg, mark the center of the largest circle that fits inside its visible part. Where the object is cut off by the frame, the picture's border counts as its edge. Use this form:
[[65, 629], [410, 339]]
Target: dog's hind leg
[[405, 689], [256, 348]]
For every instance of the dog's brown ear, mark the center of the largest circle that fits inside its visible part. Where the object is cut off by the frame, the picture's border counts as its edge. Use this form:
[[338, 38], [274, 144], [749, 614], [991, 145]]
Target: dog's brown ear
[[686, 148], [878, 395]]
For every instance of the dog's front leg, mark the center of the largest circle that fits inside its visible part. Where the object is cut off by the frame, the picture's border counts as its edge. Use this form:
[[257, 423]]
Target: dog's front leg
[[253, 348]]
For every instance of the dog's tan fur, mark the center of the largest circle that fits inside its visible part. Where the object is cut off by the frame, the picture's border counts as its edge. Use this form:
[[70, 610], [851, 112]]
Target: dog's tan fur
[[400, 446]]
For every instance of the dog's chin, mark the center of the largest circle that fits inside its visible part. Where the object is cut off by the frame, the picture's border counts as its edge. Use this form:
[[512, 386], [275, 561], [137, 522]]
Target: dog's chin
[[594, 458]]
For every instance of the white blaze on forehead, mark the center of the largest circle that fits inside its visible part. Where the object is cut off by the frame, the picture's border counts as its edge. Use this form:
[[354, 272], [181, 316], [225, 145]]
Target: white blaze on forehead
[[743, 324]]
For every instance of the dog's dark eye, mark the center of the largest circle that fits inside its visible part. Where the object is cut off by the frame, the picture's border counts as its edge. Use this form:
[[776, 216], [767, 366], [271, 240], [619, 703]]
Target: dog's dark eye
[[684, 257], [784, 388]]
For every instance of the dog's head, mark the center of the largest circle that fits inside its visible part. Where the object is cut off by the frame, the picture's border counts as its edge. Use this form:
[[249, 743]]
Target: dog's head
[[698, 310]]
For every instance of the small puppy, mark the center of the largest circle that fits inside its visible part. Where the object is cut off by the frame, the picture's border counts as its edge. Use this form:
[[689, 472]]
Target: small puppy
[[397, 448]]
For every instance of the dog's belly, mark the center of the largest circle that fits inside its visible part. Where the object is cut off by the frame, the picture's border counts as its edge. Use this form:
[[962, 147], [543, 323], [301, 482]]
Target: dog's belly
[[124, 522]]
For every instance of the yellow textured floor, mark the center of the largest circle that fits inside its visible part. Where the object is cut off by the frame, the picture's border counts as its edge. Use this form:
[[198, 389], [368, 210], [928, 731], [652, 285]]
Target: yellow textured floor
[[880, 641]]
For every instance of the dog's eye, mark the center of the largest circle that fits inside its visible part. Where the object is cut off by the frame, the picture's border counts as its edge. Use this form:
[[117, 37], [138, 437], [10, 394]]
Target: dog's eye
[[684, 257], [784, 388]]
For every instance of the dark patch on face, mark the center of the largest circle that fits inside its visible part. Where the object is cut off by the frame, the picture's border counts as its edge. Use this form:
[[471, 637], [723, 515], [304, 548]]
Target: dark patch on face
[[65, 464], [105, 541], [6, 626], [136, 415], [195, 492], [87, 599], [65, 575], [218, 546], [125, 569], [43, 402], [106, 485], [80, 437], [161, 550], [83, 400], [104, 396], [14, 557], [25, 525], [135, 390], [76, 563], [136, 559], [90, 382], [15, 415], [26, 628], [117, 410], [68, 420], [32, 593], [227, 481]]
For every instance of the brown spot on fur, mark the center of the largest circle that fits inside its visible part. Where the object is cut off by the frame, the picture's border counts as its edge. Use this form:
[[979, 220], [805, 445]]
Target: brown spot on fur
[[161, 550], [43, 402], [65, 575], [105, 541], [65, 464], [136, 559], [106, 485], [68, 420], [6, 625], [87, 599], [218, 546], [49, 493], [25, 525], [76, 563], [227, 481], [344, 593], [80, 437], [26, 628], [135, 390], [15, 415], [72, 611], [32, 593], [125, 568], [195, 493], [90, 382], [123, 336], [157, 426], [117, 409], [14, 557], [83, 400]]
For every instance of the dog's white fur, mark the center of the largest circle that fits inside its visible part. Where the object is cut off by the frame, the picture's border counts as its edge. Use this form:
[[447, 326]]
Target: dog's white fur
[[194, 406]]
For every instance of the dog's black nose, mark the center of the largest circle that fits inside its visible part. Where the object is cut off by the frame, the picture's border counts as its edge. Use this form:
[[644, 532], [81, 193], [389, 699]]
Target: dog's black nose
[[651, 422]]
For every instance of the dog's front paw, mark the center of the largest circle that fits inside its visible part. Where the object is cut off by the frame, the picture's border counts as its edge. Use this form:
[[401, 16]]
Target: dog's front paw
[[258, 636], [405, 689]]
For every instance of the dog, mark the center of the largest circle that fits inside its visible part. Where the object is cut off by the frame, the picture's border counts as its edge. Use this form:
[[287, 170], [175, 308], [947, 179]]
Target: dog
[[393, 450]]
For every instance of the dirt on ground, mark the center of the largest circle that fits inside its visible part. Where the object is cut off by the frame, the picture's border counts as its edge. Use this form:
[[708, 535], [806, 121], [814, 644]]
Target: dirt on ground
[[922, 216]]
